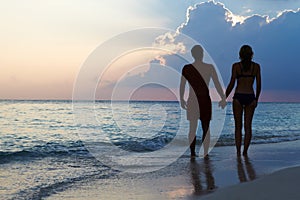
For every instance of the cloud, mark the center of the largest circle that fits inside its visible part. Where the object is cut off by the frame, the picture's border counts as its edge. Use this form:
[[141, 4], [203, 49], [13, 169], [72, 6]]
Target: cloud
[[275, 42], [222, 33]]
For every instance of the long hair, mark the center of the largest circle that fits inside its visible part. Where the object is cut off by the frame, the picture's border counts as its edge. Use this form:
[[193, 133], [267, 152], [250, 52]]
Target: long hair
[[246, 55]]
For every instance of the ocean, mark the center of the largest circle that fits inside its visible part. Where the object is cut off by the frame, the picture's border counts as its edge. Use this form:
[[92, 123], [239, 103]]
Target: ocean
[[49, 146]]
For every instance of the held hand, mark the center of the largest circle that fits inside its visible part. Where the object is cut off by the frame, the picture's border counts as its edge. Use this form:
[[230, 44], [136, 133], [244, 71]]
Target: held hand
[[222, 103], [183, 104]]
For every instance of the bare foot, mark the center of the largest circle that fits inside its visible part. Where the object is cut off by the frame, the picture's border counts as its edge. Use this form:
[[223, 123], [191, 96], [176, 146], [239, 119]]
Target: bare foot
[[206, 157], [245, 154], [193, 154]]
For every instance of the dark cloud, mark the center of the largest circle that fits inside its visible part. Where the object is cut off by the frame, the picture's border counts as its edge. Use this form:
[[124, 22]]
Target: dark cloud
[[275, 43]]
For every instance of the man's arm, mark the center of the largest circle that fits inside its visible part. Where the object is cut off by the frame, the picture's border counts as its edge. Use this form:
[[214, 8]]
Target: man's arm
[[217, 84], [219, 88], [181, 92]]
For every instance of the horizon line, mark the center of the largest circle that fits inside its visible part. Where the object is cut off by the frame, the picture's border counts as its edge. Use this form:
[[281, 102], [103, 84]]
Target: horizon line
[[134, 100]]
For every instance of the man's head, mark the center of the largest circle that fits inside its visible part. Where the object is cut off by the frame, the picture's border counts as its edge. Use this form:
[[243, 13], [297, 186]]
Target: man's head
[[197, 52]]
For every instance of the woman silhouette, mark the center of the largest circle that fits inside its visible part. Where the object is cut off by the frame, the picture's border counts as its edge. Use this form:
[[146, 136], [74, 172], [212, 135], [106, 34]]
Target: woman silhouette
[[244, 99]]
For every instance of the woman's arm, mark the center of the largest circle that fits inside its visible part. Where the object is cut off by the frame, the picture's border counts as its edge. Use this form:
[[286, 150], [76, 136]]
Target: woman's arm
[[232, 81], [258, 82]]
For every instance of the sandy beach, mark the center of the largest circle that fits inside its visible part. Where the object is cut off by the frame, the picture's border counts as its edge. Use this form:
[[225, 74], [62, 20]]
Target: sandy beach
[[270, 172], [283, 184]]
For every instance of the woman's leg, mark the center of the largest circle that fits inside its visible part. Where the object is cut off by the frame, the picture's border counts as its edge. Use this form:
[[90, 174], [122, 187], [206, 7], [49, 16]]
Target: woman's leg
[[237, 113], [249, 111], [192, 136], [205, 136]]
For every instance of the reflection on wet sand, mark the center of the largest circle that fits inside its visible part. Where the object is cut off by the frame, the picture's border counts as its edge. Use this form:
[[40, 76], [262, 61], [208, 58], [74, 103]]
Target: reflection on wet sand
[[204, 171], [245, 169], [198, 169], [203, 180]]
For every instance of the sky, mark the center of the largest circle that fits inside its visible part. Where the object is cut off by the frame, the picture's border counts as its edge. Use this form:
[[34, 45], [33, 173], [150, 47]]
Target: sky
[[44, 44]]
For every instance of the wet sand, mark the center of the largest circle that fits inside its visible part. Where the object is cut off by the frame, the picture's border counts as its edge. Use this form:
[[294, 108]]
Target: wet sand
[[269, 172]]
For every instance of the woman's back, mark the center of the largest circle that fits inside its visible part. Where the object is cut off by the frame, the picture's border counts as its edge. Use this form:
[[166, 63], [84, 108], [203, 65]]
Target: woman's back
[[245, 77]]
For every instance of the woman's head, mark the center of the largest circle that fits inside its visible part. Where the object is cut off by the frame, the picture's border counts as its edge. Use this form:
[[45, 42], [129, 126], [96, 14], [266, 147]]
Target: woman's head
[[246, 53]]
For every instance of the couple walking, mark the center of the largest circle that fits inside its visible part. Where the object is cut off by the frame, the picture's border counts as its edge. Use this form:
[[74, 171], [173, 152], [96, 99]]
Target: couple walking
[[199, 106]]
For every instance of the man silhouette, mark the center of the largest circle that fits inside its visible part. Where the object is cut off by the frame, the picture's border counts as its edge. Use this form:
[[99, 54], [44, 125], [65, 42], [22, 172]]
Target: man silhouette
[[198, 105]]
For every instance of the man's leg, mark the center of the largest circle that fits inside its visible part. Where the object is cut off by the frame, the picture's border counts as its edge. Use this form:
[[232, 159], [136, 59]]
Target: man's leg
[[205, 136], [192, 136]]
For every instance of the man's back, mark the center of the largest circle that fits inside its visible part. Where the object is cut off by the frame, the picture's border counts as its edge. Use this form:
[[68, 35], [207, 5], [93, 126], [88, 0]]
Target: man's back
[[197, 78]]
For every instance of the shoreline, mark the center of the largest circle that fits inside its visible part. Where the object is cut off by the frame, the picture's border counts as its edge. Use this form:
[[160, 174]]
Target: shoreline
[[201, 178]]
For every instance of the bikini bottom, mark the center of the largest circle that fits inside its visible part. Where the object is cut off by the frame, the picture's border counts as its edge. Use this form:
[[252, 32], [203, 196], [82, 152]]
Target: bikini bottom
[[244, 99]]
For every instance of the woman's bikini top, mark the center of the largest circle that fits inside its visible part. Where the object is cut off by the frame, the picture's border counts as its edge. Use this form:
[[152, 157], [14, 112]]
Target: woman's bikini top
[[246, 75]]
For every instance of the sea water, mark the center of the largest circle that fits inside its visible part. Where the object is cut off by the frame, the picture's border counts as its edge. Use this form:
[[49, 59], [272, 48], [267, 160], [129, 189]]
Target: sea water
[[43, 147]]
